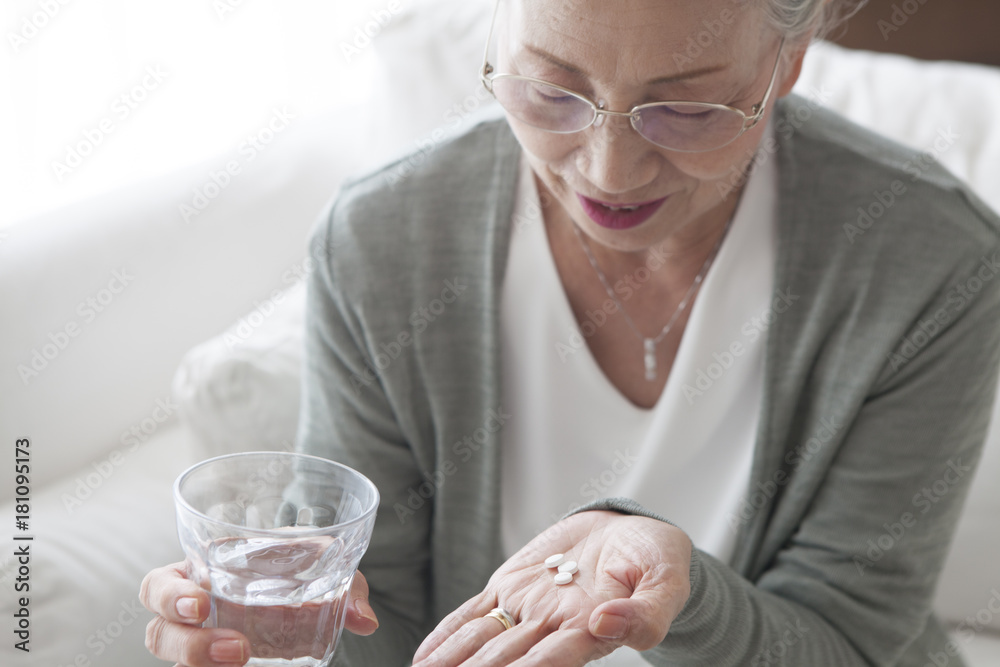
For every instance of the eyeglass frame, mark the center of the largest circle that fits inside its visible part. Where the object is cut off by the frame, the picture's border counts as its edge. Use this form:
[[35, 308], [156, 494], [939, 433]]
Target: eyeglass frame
[[749, 122]]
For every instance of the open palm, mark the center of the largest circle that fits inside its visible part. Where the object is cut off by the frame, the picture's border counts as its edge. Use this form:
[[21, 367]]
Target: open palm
[[632, 582]]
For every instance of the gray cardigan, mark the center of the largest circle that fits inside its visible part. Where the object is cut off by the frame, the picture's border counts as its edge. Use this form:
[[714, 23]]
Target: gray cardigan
[[877, 389]]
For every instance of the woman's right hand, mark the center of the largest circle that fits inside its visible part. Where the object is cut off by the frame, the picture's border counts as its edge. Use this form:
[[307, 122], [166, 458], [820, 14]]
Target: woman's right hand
[[181, 606]]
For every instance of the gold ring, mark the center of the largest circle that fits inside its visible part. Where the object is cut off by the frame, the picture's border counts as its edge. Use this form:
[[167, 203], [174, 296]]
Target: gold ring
[[503, 616]]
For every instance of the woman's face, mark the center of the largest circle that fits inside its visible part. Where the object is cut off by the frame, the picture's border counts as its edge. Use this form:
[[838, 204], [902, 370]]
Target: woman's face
[[718, 51]]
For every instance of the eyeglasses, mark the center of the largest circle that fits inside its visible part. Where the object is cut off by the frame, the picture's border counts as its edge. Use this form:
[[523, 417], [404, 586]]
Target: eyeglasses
[[688, 127]]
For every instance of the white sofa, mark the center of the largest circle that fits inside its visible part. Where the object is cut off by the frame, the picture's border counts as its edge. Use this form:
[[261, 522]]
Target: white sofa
[[102, 411]]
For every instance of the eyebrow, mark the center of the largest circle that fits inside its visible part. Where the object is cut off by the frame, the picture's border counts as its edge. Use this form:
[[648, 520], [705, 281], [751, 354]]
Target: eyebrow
[[545, 55]]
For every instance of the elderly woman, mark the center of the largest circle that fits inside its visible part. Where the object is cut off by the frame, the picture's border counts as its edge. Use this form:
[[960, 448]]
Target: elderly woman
[[725, 351]]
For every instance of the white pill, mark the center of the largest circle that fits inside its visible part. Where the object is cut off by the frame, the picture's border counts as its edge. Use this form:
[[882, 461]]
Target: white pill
[[563, 578], [555, 561], [569, 567]]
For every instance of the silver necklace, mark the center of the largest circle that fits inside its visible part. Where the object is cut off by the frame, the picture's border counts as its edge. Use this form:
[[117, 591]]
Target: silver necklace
[[649, 344]]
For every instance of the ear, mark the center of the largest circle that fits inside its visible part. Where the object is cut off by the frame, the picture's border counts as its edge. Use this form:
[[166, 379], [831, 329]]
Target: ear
[[792, 68], [797, 55]]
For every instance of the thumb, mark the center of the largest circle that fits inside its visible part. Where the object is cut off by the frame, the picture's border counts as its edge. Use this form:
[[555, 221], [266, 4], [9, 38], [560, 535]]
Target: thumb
[[360, 615], [641, 621]]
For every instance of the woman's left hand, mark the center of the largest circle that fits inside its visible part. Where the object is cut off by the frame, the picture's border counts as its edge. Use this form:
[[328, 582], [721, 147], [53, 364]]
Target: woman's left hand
[[633, 581]]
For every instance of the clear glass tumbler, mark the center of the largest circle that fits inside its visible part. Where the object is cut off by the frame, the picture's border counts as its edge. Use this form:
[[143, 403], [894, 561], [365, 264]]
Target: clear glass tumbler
[[275, 538]]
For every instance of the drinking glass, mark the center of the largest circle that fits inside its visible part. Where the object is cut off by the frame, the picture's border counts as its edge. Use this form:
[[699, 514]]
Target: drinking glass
[[275, 538]]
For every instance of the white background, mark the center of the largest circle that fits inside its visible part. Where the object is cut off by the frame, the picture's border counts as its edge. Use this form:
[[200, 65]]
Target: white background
[[228, 64]]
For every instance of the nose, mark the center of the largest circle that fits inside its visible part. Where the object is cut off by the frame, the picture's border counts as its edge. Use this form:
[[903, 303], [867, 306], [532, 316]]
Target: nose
[[614, 157]]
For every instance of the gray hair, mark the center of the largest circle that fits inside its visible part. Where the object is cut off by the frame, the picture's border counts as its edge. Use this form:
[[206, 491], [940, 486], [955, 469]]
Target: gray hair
[[797, 18]]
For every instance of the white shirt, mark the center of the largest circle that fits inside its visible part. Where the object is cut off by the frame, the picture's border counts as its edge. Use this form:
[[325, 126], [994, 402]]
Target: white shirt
[[574, 438]]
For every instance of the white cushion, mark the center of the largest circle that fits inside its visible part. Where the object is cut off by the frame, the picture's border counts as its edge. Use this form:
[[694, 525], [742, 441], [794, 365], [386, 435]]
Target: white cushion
[[240, 390], [915, 102]]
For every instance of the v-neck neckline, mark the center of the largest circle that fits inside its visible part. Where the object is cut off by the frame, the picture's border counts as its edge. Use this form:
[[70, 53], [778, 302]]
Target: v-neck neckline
[[552, 282]]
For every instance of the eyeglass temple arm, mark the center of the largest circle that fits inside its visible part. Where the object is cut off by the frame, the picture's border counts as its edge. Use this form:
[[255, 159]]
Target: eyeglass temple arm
[[487, 68], [758, 110]]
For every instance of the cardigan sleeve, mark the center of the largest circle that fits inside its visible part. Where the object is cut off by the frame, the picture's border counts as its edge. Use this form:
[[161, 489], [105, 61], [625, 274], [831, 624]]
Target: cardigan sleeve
[[854, 583], [346, 417]]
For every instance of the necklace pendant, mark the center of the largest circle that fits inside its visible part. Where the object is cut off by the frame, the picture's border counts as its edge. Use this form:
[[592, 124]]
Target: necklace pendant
[[650, 358]]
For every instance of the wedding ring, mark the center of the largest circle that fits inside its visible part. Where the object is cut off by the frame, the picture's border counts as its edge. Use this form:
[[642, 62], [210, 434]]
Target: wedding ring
[[503, 616]]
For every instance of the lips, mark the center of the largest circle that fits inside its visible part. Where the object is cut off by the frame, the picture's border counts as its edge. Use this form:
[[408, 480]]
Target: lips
[[619, 215]]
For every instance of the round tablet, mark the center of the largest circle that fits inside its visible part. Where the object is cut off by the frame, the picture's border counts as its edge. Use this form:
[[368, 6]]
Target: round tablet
[[563, 578], [555, 560], [569, 567]]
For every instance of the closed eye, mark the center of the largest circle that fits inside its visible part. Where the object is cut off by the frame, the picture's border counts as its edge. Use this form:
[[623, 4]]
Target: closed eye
[[550, 95], [685, 112]]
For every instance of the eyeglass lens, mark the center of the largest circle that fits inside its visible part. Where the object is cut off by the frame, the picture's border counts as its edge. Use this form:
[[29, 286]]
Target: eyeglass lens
[[682, 126]]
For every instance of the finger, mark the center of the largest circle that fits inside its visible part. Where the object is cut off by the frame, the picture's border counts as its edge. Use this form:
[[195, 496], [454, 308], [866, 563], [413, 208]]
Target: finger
[[463, 643], [565, 648], [475, 608], [508, 646], [168, 592], [196, 647], [361, 619], [642, 620]]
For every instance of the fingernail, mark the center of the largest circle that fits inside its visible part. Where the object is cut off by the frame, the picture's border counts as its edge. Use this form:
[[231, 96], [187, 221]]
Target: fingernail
[[611, 626], [227, 650], [365, 610], [187, 607]]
